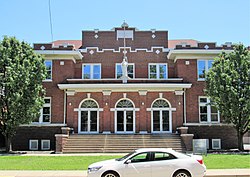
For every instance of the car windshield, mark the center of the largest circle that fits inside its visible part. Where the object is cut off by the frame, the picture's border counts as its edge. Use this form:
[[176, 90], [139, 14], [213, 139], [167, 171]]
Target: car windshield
[[124, 157]]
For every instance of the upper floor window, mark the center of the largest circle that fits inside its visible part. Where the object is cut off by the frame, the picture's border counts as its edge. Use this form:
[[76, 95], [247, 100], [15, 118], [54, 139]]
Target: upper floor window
[[203, 67], [208, 112], [91, 71], [158, 71], [45, 112], [130, 70], [48, 64]]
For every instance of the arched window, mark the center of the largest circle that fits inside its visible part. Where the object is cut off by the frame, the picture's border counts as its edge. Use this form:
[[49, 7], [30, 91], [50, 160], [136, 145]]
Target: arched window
[[125, 116], [124, 104], [160, 104], [88, 121], [161, 116], [89, 104]]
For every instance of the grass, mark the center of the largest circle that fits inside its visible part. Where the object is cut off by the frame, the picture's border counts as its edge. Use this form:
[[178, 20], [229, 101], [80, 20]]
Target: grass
[[222, 161], [212, 161]]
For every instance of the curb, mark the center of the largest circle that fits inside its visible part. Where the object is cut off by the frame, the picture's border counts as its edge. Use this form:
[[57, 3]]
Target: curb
[[78, 173]]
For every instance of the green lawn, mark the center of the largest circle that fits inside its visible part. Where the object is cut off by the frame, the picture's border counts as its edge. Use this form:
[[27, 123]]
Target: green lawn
[[82, 162], [219, 161]]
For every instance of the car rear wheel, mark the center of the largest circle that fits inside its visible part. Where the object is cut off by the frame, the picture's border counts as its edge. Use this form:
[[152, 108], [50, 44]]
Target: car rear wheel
[[110, 174], [181, 173]]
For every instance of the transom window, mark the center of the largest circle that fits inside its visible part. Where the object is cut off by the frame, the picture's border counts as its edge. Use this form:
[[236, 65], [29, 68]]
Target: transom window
[[130, 70], [48, 65], [91, 71], [125, 104], [89, 104], [160, 104], [203, 67], [208, 112], [158, 71]]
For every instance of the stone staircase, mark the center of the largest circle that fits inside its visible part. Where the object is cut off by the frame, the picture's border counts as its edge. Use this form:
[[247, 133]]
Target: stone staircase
[[113, 143]]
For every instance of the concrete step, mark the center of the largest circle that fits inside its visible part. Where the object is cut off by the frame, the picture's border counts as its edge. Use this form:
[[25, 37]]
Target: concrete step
[[121, 143]]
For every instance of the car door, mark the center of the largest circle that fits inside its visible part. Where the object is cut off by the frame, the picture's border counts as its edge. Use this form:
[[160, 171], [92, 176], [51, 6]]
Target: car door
[[138, 166], [163, 164]]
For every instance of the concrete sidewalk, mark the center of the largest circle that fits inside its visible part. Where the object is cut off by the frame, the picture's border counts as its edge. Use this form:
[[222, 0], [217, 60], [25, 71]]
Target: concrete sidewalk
[[77, 173]]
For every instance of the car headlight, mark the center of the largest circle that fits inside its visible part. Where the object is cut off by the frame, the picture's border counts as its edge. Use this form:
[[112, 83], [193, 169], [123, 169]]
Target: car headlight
[[93, 169]]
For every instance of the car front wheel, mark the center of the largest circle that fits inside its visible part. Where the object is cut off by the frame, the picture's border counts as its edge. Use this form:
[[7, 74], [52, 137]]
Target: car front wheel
[[110, 174], [181, 173]]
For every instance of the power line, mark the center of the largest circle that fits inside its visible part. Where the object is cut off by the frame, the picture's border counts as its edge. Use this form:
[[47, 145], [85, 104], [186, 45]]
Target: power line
[[51, 27]]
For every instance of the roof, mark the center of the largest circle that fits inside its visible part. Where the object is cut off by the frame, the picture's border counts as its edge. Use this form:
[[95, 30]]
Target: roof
[[76, 43], [174, 42], [171, 43]]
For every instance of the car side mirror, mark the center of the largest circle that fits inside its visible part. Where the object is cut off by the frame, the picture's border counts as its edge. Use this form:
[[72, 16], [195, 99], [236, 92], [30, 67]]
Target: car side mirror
[[128, 162]]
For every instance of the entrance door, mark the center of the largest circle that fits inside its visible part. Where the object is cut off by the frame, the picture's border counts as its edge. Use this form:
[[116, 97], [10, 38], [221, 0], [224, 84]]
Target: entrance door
[[88, 117], [161, 117], [88, 122], [161, 121], [125, 117], [125, 121]]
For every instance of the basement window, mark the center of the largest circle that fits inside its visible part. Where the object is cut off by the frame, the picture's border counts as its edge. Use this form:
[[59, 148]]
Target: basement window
[[45, 144], [216, 143], [33, 145]]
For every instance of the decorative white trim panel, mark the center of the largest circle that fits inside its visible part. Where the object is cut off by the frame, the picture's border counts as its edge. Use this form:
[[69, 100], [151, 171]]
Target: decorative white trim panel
[[129, 49], [124, 87]]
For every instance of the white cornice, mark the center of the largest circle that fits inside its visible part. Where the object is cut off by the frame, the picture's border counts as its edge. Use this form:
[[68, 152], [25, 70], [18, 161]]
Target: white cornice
[[124, 87], [194, 53], [61, 54], [120, 49]]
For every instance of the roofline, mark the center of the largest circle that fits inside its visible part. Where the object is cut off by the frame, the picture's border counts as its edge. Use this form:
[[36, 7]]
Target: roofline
[[176, 54], [74, 53]]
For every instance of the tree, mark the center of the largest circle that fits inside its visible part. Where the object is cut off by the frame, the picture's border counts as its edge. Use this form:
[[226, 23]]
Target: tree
[[228, 86], [21, 90]]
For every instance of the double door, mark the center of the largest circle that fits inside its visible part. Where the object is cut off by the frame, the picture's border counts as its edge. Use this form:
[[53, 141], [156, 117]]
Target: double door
[[125, 121], [161, 121], [89, 122]]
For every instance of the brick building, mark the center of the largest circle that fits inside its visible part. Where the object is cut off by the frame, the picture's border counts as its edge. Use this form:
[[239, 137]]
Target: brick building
[[164, 91]]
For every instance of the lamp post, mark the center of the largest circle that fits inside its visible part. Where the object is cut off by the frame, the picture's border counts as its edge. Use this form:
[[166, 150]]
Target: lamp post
[[124, 64]]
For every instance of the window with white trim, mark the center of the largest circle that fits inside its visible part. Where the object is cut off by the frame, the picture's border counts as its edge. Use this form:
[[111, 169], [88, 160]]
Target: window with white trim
[[33, 145], [48, 65], [91, 71], [202, 67], [130, 70], [207, 111], [216, 143], [45, 112], [157, 71], [45, 144]]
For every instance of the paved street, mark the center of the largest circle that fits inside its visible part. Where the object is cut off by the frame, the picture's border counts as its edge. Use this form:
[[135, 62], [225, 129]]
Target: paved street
[[77, 173]]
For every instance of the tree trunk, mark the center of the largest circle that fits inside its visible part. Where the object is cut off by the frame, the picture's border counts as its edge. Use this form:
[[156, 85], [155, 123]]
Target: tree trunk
[[8, 143], [240, 141]]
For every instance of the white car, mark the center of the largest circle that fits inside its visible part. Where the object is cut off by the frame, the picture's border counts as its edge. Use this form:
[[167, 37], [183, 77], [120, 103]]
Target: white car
[[153, 162]]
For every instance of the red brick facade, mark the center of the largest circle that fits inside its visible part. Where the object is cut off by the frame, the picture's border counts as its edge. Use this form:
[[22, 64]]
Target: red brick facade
[[180, 89]]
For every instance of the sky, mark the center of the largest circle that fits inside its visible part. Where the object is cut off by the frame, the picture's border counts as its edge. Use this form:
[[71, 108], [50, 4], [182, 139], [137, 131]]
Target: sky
[[204, 20]]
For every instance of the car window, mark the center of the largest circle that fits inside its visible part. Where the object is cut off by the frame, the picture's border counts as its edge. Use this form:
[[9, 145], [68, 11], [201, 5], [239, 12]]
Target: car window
[[142, 157], [163, 156], [124, 157]]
